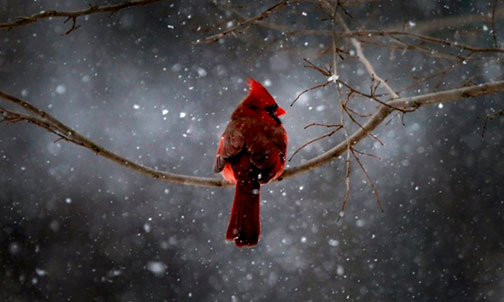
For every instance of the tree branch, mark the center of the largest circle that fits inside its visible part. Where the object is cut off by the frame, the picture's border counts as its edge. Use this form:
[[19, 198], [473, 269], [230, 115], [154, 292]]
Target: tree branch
[[55, 126], [383, 111], [73, 15], [245, 22]]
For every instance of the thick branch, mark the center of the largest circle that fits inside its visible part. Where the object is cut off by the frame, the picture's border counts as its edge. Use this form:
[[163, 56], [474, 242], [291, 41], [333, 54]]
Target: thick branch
[[383, 111], [51, 124], [72, 15]]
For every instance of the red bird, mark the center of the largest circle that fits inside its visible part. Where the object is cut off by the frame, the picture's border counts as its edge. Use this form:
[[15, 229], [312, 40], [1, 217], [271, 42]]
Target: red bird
[[251, 152]]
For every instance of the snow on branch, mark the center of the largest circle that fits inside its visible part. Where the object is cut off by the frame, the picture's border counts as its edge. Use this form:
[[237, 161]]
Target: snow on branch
[[46, 121]]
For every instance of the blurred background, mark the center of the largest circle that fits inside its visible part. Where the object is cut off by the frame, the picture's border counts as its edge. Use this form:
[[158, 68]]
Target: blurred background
[[77, 227]]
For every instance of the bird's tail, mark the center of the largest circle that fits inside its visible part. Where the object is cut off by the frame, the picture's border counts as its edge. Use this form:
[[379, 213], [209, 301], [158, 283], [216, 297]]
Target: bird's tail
[[244, 225]]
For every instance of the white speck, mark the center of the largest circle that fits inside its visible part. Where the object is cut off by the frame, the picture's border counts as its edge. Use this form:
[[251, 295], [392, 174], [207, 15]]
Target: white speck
[[147, 228], [23, 168], [373, 236], [333, 242], [85, 78], [136, 106], [176, 67], [340, 270], [165, 111], [24, 92], [60, 89], [201, 72], [440, 106], [40, 272], [303, 239], [191, 87], [267, 82], [320, 108], [333, 78], [360, 223], [352, 52], [182, 114], [68, 200], [464, 62], [114, 273], [255, 191], [170, 26], [156, 267], [13, 248], [301, 188], [485, 28], [304, 14], [416, 188], [189, 294], [249, 277], [305, 43], [286, 241], [54, 225], [411, 23], [166, 191]]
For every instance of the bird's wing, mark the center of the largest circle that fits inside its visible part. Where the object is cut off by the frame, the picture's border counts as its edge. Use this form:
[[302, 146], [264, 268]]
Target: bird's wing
[[267, 151], [230, 144]]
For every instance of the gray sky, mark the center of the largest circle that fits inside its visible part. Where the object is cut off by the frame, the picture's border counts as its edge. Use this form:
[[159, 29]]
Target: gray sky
[[77, 226]]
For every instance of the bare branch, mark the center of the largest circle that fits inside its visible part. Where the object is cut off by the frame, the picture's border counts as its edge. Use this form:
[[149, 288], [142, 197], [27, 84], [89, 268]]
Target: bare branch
[[49, 123], [71, 135], [383, 111], [73, 15], [365, 61], [322, 125], [357, 159], [489, 118], [309, 89], [338, 127], [494, 33], [240, 25]]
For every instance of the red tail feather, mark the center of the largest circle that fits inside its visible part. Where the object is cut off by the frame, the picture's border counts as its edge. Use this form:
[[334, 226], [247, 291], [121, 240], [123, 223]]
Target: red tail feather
[[244, 225]]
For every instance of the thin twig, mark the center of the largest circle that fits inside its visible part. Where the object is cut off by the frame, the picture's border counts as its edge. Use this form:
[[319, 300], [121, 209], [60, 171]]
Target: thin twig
[[322, 125], [367, 154], [234, 29], [494, 33], [345, 109], [322, 70], [489, 118], [357, 159], [314, 140], [309, 89], [73, 15]]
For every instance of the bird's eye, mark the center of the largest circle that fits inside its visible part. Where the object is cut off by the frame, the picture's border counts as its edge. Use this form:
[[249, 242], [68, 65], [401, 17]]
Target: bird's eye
[[271, 109]]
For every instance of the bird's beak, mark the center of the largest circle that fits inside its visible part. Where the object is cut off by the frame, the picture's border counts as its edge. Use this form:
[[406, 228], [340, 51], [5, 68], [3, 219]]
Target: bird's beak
[[279, 111]]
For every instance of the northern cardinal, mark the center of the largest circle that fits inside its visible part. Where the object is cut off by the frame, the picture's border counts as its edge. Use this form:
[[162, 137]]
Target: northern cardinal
[[251, 152]]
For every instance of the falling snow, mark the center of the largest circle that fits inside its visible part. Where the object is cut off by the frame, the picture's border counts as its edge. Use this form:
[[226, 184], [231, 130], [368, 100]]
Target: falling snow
[[75, 226]]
